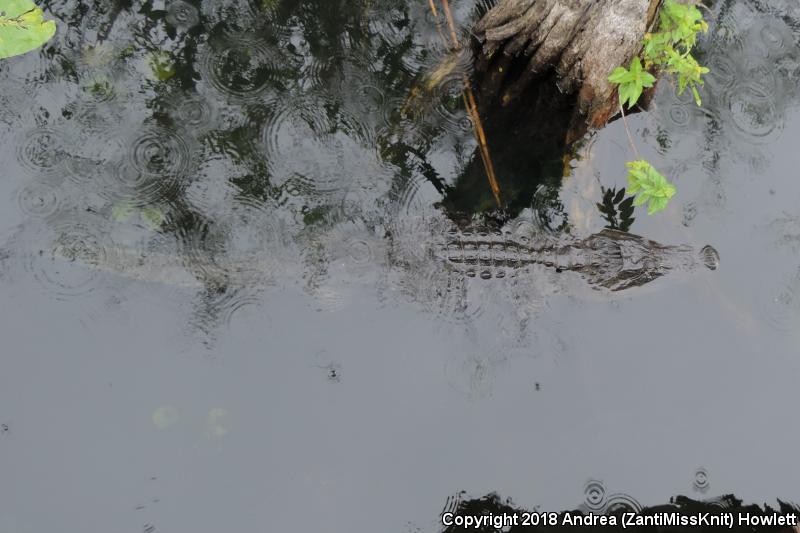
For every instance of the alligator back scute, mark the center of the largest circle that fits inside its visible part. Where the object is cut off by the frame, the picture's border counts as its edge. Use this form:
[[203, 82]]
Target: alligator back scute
[[487, 254]]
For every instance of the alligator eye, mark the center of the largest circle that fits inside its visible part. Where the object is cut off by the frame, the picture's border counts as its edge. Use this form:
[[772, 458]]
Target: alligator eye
[[709, 257]]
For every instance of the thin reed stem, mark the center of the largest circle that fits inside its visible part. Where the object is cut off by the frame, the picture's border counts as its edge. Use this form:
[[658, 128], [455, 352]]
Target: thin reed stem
[[628, 132]]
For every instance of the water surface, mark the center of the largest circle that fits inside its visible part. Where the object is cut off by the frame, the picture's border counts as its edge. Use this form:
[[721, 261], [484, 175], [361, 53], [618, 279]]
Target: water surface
[[343, 381]]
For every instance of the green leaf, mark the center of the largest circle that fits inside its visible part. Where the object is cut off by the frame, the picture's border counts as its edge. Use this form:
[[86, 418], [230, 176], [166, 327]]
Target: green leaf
[[640, 200], [631, 82], [162, 65], [620, 75], [650, 186], [153, 217], [696, 96], [22, 27], [626, 93], [656, 205], [122, 211], [636, 67], [634, 94], [683, 81]]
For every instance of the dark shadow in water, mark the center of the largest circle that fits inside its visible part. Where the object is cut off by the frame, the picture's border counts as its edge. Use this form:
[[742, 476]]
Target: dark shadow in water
[[527, 145]]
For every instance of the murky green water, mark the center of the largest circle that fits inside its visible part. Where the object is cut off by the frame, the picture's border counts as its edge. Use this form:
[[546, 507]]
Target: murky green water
[[220, 311]]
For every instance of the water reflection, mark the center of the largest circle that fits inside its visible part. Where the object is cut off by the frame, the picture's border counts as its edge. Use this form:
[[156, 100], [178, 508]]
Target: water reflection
[[308, 140], [272, 108], [616, 209]]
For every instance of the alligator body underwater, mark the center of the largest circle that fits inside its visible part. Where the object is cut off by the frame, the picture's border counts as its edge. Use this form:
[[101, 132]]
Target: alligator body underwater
[[610, 260]]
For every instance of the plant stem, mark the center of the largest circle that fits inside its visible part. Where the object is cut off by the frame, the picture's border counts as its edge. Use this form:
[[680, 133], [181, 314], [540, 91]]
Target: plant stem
[[628, 132], [708, 9], [471, 106]]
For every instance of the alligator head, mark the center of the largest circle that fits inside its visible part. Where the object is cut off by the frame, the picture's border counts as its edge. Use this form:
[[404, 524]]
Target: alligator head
[[622, 260]]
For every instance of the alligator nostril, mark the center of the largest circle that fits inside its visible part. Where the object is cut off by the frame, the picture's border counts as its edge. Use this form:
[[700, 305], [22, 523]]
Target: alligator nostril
[[710, 257]]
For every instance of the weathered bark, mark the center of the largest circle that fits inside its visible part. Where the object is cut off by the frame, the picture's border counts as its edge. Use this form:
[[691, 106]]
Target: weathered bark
[[582, 41], [541, 81]]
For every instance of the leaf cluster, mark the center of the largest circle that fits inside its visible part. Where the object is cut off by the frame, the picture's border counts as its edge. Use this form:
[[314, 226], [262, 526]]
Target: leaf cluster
[[616, 209], [670, 49], [682, 22], [22, 27], [649, 186]]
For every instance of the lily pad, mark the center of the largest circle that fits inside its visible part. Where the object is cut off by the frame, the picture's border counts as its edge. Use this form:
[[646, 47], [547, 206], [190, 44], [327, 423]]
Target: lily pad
[[22, 27]]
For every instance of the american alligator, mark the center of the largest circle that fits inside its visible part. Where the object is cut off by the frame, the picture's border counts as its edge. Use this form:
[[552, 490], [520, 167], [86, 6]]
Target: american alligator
[[611, 260]]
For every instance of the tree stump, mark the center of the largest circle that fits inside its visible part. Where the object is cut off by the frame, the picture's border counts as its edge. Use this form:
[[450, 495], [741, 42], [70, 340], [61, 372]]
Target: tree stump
[[541, 81], [581, 41]]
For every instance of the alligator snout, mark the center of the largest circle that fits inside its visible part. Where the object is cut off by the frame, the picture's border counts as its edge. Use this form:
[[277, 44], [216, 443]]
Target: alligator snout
[[709, 256]]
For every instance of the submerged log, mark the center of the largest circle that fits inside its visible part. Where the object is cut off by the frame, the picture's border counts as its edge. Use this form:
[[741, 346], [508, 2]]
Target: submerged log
[[581, 41]]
